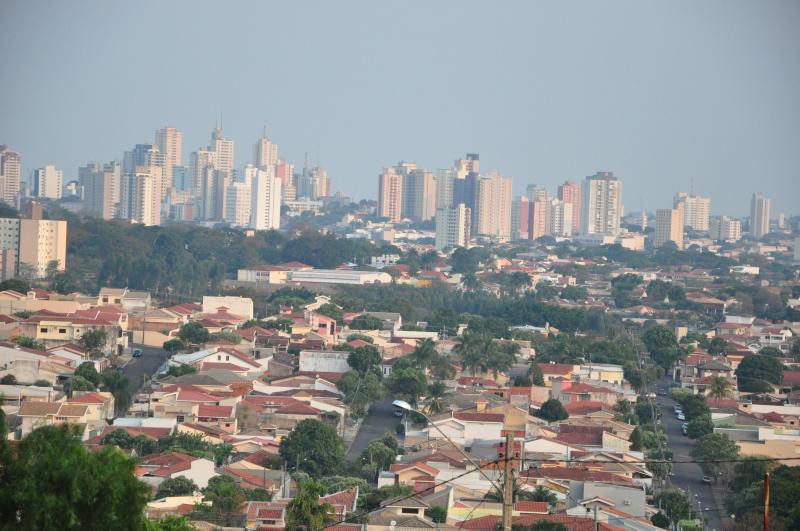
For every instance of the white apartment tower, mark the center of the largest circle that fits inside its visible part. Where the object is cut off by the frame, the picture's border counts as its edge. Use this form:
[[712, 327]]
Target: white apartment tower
[[602, 204], [48, 182], [759, 215], [101, 188], [265, 210], [223, 147], [560, 218], [170, 143], [570, 192], [539, 218], [452, 226], [669, 227], [493, 198], [723, 228], [696, 210], [141, 195], [10, 170]]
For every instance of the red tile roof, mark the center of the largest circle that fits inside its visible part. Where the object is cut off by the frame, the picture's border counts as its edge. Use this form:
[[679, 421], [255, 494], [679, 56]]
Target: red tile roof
[[583, 407], [478, 417], [219, 412], [531, 507], [297, 408], [572, 523], [577, 474], [556, 368]]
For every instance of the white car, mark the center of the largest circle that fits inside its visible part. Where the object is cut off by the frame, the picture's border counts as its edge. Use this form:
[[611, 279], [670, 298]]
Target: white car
[[680, 416]]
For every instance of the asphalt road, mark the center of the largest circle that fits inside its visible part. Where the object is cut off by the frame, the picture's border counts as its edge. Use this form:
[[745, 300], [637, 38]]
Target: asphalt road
[[378, 421], [151, 359], [688, 476]]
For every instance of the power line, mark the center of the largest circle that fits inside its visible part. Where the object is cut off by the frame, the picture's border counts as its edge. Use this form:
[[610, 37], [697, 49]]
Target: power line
[[413, 494], [660, 461]]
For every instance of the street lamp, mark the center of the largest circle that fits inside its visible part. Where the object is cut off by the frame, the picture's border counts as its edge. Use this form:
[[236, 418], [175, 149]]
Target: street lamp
[[402, 404]]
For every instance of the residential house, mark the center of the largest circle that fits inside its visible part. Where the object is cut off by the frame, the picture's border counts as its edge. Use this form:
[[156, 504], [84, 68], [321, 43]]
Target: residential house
[[154, 469]]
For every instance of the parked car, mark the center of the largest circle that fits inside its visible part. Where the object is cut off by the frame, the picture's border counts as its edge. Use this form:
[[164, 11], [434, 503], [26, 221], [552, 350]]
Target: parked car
[[706, 479], [680, 416], [137, 353], [685, 429]]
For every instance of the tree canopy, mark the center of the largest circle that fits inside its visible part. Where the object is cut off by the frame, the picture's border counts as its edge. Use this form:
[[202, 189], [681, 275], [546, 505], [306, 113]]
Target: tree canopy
[[314, 448]]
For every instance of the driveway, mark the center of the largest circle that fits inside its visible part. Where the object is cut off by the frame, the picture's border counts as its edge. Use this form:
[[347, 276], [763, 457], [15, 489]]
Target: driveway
[[688, 476], [150, 360], [378, 421]]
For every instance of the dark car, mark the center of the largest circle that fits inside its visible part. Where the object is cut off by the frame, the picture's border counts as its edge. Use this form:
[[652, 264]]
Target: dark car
[[137, 353]]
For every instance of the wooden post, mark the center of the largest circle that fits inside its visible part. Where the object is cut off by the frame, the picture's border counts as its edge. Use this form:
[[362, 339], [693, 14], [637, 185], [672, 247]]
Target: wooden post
[[766, 501], [508, 485]]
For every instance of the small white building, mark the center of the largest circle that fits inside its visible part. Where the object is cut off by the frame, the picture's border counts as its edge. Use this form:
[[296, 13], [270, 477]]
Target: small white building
[[241, 306]]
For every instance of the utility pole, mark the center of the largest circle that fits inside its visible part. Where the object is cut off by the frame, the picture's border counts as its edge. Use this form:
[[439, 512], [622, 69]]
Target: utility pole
[[508, 485], [766, 501]]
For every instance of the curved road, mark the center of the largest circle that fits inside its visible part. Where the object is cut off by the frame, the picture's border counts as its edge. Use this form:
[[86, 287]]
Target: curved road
[[139, 369], [378, 421]]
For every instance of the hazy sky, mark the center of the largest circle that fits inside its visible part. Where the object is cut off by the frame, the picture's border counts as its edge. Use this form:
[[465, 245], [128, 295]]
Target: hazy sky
[[658, 92]]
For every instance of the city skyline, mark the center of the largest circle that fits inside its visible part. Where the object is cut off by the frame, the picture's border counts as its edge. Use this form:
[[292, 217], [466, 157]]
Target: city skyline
[[662, 118]]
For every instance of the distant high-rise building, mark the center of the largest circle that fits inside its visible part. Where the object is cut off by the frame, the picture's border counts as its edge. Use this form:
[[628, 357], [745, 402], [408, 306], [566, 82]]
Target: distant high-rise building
[[759, 215], [202, 161], [539, 218], [723, 228], [669, 227], [390, 194], [696, 210], [560, 218], [492, 213], [42, 241], [101, 188], [141, 195], [142, 155], [445, 180], [48, 182], [520, 218], [265, 154], [224, 149], [536, 192], [570, 192], [170, 143], [239, 198], [213, 192], [182, 179], [265, 210], [602, 204], [313, 183], [10, 171], [797, 248], [419, 195], [452, 227]]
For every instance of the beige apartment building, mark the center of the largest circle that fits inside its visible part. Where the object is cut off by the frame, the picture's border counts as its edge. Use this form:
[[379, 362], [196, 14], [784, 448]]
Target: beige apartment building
[[390, 194], [669, 227], [493, 198], [42, 241]]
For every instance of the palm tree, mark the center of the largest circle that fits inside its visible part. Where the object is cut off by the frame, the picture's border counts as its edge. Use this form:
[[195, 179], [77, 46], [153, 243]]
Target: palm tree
[[118, 385], [424, 355], [472, 349], [519, 492], [442, 367], [436, 394], [500, 357], [719, 387]]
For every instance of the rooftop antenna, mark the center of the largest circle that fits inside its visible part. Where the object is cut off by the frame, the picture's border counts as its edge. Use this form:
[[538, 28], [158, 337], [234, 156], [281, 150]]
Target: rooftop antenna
[[264, 133]]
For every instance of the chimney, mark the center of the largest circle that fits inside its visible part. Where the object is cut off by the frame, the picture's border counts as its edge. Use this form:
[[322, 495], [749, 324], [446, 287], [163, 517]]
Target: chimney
[[480, 405]]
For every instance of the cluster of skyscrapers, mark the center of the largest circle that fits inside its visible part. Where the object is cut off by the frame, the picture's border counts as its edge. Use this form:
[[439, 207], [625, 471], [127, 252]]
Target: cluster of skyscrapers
[[153, 183], [468, 205]]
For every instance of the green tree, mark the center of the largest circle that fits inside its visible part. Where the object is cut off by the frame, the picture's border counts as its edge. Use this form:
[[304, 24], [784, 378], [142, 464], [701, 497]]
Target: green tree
[[177, 486], [118, 385], [193, 333], [537, 376], [699, 427], [424, 354], [305, 510], [87, 370], [377, 456], [552, 410], [180, 370], [169, 523], [93, 341], [332, 311], [675, 504], [717, 346], [435, 402], [364, 358], [658, 462], [659, 338], [8, 379], [719, 387], [757, 374], [53, 482], [314, 448], [660, 520], [437, 513], [174, 345], [333, 484], [542, 494], [636, 439], [366, 322], [714, 447], [407, 382], [78, 383], [42, 383], [29, 342], [226, 499], [360, 391], [20, 285], [694, 406]]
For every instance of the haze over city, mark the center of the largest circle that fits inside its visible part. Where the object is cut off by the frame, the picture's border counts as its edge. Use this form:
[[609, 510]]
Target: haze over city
[[668, 97]]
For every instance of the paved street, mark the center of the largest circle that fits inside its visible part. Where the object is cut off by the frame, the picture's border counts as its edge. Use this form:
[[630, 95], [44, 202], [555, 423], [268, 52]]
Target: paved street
[[148, 363], [688, 476], [378, 421]]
